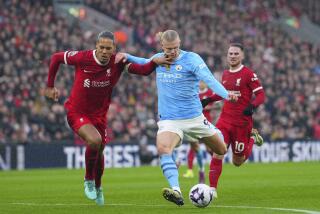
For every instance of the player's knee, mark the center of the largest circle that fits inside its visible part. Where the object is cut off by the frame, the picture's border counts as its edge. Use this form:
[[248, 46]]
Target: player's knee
[[163, 149], [221, 150], [94, 141]]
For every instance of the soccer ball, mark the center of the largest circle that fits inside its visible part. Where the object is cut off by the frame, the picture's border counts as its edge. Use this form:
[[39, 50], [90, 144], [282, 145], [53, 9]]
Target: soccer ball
[[200, 195]]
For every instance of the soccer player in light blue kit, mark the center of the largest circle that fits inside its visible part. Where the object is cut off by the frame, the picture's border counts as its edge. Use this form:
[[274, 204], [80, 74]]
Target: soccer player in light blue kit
[[179, 106]]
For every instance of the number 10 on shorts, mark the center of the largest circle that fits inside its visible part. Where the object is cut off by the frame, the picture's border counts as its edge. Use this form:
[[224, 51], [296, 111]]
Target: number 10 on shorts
[[239, 147]]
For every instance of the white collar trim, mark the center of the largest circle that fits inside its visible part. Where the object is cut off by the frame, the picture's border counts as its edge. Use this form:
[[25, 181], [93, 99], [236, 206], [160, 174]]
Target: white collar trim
[[96, 59], [236, 70]]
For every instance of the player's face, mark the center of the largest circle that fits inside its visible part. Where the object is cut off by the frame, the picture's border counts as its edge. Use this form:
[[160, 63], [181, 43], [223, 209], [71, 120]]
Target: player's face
[[105, 48], [235, 56], [171, 49]]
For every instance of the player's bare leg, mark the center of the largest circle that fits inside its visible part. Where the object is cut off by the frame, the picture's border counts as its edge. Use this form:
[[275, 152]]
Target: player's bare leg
[[93, 140], [215, 143], [166, 142]]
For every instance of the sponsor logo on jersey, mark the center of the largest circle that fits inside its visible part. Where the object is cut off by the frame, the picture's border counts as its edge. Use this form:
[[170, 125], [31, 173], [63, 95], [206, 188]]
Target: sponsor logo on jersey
[[238, 82], [100, 84], [168, 77], [96, 84], [86, 83], [254, 78], [203, 65], [237, 93], [178, 67], [72, 53], [108, 72]]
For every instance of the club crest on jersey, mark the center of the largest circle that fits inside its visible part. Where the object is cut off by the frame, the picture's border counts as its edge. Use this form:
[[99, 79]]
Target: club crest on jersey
[[178, 67], [72, 53], [238, 82], [108, 72]]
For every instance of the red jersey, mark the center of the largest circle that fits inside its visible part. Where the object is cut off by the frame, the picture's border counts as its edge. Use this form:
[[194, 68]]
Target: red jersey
[[93, 82], [203, 95], [243, 82]]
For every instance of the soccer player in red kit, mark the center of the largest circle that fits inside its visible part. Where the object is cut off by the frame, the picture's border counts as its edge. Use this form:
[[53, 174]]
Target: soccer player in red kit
[[95, 76], [195, 150], [235, 121]]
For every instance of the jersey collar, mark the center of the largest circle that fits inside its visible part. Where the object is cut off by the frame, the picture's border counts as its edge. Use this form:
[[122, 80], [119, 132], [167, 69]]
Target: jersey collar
[[97, 61], [236, 70]]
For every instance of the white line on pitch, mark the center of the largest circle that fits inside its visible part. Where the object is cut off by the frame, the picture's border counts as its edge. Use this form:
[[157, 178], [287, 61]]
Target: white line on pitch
[[161, 205]]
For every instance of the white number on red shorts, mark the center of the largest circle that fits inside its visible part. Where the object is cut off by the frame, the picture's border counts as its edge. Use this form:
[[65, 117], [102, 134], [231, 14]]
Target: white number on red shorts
[[239, 147]]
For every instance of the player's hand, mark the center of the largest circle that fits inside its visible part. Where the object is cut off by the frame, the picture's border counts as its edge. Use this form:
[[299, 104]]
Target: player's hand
[[205, 102], [232, 97], [249, 110], [121, 57], [162, 60], [52, 93]]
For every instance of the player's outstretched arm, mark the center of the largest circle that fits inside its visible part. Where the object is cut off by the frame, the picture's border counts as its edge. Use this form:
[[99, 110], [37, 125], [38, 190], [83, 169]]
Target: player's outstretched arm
[[211, 99], [51, 92], [124, 57], [148, 68]]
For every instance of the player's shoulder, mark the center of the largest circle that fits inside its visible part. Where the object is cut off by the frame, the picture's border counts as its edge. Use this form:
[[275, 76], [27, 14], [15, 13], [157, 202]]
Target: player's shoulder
[[191, 58], [157, 55], [190, 54], [248, 70], [79, 53]]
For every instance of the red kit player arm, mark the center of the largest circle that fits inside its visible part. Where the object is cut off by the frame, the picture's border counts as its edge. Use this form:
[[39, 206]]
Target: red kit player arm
[[259, 99], [56, 60], [144, 69], [211, 99]]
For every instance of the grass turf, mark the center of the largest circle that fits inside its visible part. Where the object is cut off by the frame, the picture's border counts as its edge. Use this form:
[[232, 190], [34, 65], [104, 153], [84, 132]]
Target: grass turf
[[252, 188]]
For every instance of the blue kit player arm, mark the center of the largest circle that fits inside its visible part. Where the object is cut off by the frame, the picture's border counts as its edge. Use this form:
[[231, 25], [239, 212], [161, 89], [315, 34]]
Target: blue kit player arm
[[202, 71]]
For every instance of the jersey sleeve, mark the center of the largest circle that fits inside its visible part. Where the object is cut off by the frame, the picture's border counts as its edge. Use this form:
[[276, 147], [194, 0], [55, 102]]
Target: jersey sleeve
[[254, 82], [72, 57], [140, 60], [203, 73]]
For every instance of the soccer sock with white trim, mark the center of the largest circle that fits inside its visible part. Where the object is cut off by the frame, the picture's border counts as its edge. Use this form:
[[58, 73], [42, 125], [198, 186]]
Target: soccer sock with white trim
[[170, 170]]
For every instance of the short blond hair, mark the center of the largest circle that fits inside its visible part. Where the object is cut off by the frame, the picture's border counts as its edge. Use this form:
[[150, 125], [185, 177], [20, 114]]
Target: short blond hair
[[168, 35]]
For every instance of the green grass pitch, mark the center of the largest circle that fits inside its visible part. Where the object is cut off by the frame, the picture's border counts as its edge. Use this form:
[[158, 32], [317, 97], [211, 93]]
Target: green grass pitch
[[252, 188]]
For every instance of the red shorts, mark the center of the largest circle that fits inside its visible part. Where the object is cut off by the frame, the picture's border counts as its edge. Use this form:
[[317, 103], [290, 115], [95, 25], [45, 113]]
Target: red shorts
[[236, 136], [76, 120]]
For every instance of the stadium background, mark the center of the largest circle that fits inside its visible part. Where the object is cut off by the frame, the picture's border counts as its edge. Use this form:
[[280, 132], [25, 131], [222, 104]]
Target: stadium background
[[282, 45], [280, 37]]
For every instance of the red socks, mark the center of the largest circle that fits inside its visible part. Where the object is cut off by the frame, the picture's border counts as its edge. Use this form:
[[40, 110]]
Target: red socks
[[215, 172], [94, 165], [90, 159], [99, 170], [191, 155]]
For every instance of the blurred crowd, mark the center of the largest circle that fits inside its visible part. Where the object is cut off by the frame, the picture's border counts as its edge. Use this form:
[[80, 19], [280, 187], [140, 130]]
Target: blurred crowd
[[288, 68]]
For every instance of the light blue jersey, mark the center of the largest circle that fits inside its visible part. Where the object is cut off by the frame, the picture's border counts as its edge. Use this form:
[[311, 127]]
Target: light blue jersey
[[178, 85]]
